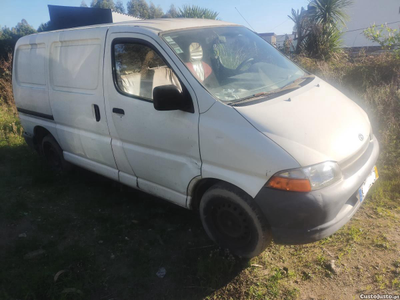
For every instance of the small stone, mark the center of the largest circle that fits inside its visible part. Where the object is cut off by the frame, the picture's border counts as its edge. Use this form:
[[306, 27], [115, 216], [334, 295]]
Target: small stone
[[161, 273], [126, 238], [22, 235], [330, 266], [112, 256], [100, 242]]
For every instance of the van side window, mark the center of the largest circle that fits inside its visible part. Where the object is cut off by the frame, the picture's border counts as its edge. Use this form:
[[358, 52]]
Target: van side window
[[139, 69]]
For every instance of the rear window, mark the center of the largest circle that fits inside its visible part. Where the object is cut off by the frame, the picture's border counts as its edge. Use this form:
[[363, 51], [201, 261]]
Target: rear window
[[30, 64]]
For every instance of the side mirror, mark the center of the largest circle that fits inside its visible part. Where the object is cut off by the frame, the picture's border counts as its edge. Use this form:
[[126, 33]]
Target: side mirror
[[168, 97]]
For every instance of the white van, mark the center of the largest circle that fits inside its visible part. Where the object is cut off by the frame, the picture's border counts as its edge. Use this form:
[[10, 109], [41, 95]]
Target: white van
[[204, 114]]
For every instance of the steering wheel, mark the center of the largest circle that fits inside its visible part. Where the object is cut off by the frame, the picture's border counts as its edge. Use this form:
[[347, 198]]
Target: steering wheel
[[244, 63]]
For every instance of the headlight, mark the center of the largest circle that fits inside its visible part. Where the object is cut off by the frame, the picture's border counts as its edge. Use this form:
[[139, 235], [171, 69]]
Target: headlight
[[306, 179]]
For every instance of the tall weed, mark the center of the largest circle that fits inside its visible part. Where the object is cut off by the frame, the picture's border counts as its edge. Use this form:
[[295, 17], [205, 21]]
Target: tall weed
[[6, 93]]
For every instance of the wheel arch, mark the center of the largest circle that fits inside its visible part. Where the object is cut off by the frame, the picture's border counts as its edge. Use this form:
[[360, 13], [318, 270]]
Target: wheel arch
[[39, 132], [198, 186]]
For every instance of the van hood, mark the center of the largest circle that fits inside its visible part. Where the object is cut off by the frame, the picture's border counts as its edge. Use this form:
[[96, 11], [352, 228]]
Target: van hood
[[313, 124]]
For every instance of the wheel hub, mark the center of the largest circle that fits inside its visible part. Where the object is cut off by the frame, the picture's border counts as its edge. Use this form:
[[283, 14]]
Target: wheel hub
[[231, 222]]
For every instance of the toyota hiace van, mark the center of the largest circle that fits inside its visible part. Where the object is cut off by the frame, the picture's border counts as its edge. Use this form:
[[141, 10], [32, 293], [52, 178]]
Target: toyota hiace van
[[204, 114]]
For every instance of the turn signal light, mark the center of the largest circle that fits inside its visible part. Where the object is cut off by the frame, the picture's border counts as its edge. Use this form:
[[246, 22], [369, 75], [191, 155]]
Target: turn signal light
[[289, 184]]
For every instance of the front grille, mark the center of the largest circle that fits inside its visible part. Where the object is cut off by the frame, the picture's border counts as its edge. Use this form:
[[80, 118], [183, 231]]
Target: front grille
[[352, 164], [353, 158]]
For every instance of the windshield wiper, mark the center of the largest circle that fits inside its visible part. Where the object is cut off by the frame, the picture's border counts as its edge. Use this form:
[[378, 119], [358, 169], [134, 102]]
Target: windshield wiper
[[283, 90]]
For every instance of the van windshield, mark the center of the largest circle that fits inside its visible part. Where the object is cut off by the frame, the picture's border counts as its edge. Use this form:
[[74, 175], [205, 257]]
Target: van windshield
[[233, 63]]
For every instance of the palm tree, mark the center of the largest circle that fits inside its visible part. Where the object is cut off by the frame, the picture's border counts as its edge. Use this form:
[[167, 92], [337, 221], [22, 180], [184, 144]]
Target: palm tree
[[330, 12], [319, 27], [300, 25], [193, 11]]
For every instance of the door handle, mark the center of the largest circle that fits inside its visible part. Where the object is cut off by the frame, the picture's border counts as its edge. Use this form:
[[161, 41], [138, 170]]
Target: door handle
[[118, 111], [97, 112]]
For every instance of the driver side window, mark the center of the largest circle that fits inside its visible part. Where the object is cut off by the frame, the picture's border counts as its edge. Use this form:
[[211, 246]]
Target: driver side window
[[139, 69]]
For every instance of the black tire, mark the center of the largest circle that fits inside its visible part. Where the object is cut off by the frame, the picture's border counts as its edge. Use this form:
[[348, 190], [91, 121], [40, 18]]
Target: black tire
[[233, 220], [53, 154]]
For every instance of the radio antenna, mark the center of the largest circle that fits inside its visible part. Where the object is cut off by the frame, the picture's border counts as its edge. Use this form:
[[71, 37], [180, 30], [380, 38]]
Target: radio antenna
[[244, 18]]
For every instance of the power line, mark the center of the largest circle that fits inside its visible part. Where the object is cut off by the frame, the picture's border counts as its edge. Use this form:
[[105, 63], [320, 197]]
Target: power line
[[280, 24], [368, 27], [244, 19]]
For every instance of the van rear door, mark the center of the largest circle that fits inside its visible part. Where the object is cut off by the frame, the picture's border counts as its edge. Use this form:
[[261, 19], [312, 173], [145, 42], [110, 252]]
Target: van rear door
[[157, 149]]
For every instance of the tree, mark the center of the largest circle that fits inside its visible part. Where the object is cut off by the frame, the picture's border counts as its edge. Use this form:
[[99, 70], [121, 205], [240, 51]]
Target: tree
[[119, 7], [319, 27], [330, 13], [155, 12], [107, 4], [23, 28], [301, 26], [45, 27], [327, 17], [388, 38], [9, 37], [171, 13], [138, 8], [83, 4], [194, 11]]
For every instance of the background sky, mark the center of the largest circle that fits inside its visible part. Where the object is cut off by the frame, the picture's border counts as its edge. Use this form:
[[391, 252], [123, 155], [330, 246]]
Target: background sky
[[263, 15]]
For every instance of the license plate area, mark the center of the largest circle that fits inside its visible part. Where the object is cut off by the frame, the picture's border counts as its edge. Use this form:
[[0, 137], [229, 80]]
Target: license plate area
[[369, 181]]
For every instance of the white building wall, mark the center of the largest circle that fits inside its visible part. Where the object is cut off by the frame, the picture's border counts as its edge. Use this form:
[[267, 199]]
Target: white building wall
[[363, 14]]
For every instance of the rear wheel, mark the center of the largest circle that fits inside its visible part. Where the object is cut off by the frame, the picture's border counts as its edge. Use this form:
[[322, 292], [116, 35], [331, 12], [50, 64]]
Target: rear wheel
[[233, 220], [53, 154]]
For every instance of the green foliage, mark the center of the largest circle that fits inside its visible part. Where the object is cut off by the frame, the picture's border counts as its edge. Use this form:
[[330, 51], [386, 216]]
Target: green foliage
[[194, 11], [6, 94], [155, 12], [141, 9], [300, 20], [329, 13], [319, 28], [107, 4], [171, 13], [119, 7], [10, 36], [45, 27], [388, 38], [322, 41], [138, 8]]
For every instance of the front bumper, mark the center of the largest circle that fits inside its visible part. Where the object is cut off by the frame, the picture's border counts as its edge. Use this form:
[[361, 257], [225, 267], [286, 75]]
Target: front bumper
[[299, 218]]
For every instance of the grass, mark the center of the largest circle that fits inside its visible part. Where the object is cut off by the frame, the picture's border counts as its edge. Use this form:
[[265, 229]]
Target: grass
[[81, 236]]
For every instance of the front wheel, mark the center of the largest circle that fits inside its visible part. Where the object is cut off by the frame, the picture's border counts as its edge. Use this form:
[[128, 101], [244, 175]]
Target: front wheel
[[232, 219]]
